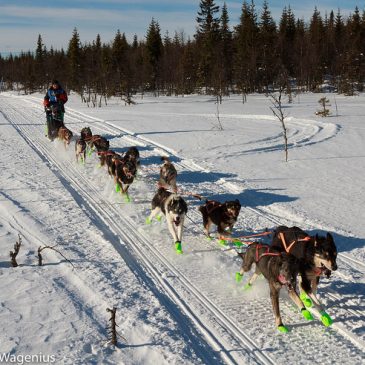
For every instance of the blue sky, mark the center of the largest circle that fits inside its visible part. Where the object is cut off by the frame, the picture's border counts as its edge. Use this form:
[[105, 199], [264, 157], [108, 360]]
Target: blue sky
[[22, 21]]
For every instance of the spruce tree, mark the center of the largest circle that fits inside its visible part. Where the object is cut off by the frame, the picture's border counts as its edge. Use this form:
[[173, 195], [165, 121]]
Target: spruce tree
[[267, 47], [207, 38], [154, 51], [74, 62]]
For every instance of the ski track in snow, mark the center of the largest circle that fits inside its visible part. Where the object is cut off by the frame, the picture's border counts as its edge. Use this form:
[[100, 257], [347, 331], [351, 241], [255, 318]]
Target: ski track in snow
[[198, 288]]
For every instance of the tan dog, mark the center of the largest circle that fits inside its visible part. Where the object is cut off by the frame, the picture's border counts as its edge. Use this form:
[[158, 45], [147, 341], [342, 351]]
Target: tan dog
[[65, 135], [168, 175]]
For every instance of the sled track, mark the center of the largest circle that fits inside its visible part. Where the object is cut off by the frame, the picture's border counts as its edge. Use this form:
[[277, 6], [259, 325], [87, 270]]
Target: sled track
[[222, 314]]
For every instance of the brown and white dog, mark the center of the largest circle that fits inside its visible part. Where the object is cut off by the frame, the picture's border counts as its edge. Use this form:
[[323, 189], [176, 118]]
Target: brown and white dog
[[65, 135], [80, 150], [223, 215], [168, 175]]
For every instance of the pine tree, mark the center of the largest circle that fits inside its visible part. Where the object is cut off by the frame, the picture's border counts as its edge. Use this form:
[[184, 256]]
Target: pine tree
[[207, 38], [40, 56], [154, 48], [267, 46], [226, 49], [316, 46], [246, 49], [74, 61], [287, 36], [120, 63]]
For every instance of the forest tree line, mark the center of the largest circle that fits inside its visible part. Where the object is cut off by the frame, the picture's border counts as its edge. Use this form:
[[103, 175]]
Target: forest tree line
[[256, 55]]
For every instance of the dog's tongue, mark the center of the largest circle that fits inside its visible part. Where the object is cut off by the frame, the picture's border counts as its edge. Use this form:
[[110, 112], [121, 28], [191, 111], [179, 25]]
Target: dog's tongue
[[282, 279]]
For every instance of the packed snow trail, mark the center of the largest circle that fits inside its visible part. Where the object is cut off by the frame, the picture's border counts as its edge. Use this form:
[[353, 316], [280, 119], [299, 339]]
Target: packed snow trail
[[199, 286]]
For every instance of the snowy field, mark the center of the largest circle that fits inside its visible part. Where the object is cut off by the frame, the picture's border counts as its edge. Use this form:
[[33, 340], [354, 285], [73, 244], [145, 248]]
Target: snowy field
[[177, 309]]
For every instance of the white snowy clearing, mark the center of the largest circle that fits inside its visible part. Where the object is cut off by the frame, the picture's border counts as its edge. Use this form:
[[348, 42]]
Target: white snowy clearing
[[177, 309]]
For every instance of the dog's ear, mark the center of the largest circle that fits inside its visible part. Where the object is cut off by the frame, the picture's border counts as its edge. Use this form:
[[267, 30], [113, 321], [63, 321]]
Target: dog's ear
[[237, 201], [329, 237], [316, 238]]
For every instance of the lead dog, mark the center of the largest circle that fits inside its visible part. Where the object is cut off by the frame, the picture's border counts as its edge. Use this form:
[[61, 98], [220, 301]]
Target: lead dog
[[223, 215], [279, 269], [316, 254], [174, 208]]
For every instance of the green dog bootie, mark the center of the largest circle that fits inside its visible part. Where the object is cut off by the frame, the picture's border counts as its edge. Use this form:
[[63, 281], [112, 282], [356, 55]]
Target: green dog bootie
[[307, 315], [148, 220], [222, 242], [117, 188], [305, 299], [326, 319], [237, 243], [248, 286], [239, 277], [159, 218], [283, 329], [127, 199], [178, 247]]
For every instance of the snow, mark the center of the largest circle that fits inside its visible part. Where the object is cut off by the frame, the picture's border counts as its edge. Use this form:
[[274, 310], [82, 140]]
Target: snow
[[177, 309]]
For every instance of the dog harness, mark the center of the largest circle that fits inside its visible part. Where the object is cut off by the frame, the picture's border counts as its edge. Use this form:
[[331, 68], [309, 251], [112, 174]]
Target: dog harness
[[266, 253], [281, 278], [288, 247]]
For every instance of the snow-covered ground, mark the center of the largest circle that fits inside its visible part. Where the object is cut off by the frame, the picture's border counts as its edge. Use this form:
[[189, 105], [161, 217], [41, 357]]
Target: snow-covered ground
[[177, 309]]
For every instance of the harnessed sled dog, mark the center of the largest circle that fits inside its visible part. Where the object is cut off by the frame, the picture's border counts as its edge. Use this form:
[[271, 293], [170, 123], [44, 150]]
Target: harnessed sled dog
[[279, 269], [316, 255], [174, 209], [64, 135], [123, 171], [223, 215], [80, 150], [168, 175], [82, 144], [132, 155]]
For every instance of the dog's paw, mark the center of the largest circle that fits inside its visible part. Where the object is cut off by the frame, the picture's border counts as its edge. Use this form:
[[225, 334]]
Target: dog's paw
[[326, 319], [306, 314], [148, 220], [209, 238], [178, 247], [305, 299], [248, 286], [127, 199], [239, 277], [159, 218], [117, 188], [283, 329]]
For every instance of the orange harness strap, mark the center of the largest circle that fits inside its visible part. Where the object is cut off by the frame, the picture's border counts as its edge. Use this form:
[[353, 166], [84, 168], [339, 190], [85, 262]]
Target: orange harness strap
[[288, 247], [266, 253]]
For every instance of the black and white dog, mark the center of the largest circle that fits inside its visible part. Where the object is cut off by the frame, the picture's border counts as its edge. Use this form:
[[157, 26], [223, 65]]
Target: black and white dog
[[174, 208]]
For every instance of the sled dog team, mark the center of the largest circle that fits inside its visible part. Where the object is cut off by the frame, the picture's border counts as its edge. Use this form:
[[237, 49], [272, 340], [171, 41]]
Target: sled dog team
[[293, 256]]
